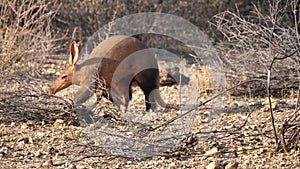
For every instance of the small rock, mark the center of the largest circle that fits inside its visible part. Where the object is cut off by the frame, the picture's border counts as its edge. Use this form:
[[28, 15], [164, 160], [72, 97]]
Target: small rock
[[241, 151], [72, 166], [173, 164], [51, 70], [24, 126], [48, 164], [212, 153], [2, 154], [213, 165], [231, 165], [237, 104], [38, 153], [59, 122], [30, 140], [12, 124], [25, 140], [210, 158], [57, 73], [39, 134], [207, 113], [246, 162], [34, 165], [206, 120]]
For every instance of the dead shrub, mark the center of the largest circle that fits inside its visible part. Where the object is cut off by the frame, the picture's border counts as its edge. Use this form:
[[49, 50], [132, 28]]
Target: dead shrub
[[22, 98], [265, 46], [25, 33], [251, 42]]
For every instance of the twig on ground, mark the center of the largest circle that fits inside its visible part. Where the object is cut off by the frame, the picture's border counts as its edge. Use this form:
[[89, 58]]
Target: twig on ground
[[196, 107]]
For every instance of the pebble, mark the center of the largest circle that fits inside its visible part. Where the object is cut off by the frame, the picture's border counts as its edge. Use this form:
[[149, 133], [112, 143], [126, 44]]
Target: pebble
[[72, 166], [38, 153], [213, 165], [232, 165]]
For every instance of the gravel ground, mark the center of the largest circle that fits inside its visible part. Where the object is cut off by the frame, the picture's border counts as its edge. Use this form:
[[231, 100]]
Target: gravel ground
[[242, 138], [239, 132]]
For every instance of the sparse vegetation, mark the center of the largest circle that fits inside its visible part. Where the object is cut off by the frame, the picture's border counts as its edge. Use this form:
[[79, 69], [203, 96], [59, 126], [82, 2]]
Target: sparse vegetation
[[26, 35], [264, 45], [258, 38], [257, 125]]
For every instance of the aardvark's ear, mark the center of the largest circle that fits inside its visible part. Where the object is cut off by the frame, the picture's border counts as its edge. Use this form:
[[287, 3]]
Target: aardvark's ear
[[75, 49]]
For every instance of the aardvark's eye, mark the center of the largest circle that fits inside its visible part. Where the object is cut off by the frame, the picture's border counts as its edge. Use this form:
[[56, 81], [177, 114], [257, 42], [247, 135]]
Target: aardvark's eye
[[64, 76]]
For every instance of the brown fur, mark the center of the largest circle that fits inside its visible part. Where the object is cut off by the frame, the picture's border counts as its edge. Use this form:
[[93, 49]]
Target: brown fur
[[124, 61]]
